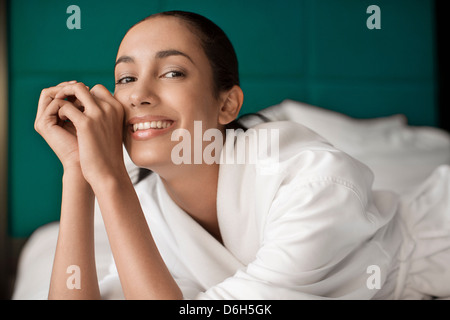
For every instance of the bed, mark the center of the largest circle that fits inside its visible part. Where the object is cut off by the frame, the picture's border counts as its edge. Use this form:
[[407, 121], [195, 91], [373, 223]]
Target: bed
[[401, 157]]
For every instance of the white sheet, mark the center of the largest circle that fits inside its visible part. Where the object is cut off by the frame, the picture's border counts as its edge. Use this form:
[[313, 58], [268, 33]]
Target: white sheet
[[400, 156]]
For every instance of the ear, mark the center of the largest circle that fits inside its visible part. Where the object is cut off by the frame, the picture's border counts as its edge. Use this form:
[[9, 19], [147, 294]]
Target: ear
[[231, 105]]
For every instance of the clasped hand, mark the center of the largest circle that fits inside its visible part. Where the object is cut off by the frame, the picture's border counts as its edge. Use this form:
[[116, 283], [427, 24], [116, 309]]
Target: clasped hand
[[84, 128]]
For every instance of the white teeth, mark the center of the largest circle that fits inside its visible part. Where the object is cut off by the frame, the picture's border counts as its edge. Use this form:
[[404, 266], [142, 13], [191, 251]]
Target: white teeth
[[160, 124]]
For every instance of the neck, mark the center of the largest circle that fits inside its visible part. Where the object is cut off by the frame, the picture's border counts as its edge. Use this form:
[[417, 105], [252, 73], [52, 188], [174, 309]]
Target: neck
[[194, 189]]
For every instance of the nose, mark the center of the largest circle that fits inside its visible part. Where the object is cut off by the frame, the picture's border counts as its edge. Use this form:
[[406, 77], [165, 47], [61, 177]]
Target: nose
[[142, 95]]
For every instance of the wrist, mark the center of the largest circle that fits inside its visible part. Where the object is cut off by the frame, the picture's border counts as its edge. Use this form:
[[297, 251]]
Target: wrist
[[109, 182], [77, 198], [72, 168], [73, 172], [73, 177]]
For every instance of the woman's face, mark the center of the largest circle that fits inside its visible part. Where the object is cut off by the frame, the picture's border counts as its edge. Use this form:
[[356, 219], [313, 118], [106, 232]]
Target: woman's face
[[164, 81]]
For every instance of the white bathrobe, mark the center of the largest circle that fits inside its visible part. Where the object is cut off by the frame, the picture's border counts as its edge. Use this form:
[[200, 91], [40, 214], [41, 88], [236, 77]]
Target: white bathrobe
[[310, 228]]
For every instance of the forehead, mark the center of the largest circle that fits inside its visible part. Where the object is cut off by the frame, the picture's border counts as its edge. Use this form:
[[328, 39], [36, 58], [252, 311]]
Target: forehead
[[160, 33]]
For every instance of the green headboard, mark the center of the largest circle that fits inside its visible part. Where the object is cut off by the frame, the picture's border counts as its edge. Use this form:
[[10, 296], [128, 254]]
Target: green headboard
[[317, 51]]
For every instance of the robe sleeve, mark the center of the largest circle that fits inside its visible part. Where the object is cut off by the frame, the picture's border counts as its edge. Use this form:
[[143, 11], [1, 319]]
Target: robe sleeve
[[317, 243]]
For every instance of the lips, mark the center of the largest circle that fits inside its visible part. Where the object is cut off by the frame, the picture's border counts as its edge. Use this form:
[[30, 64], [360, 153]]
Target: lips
[[142, 128], [160, 124]]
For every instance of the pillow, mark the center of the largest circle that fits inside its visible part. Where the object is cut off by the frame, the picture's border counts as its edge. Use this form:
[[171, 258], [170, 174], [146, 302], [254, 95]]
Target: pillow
[[401, 156], [341, 130]]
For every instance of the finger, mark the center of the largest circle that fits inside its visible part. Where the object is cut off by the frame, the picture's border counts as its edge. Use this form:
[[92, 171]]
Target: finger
[[49, 115], [46, 116], [46, 97], [68, 111], [80, 91], [53, 108], [48, 94], [66, 83], [101, 93], [73, 99], [77, 103], [107, 102]]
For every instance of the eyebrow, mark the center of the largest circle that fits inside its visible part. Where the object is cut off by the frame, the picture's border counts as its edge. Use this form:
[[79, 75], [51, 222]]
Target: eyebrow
[[159, 55], [167, 53], [126, 59]]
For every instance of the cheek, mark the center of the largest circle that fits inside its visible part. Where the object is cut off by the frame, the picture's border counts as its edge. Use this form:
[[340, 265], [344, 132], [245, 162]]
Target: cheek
[[120, 96], [193, 103]]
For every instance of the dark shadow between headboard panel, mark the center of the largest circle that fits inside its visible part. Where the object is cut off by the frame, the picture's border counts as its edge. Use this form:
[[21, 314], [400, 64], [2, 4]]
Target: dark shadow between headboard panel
[[443, 53]]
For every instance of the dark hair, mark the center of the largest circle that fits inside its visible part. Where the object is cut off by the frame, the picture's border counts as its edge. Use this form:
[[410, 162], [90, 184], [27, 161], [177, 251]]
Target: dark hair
[[219, 51]]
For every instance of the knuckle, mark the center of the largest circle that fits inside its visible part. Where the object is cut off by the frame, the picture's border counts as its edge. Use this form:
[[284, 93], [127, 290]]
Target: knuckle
[[98, 89], [55, 102], [85, 123], [45, 92], [97, 115], [79, 86], [37, 126]]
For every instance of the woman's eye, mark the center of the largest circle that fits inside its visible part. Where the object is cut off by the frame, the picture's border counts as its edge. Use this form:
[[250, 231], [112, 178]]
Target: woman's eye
[[125, 80], [173, 74]]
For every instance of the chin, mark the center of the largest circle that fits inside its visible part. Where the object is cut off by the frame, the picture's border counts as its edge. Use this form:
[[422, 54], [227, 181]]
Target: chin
[[146, 156]]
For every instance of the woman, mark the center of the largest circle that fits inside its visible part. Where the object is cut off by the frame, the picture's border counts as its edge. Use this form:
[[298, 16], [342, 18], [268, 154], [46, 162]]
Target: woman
[[312, 228]]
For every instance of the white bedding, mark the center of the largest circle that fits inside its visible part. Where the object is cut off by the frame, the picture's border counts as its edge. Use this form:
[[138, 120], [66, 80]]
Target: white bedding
[[400, 156]]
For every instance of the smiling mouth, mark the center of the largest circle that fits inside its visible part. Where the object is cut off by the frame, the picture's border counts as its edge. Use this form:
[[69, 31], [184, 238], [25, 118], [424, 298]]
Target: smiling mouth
[[159, 124]]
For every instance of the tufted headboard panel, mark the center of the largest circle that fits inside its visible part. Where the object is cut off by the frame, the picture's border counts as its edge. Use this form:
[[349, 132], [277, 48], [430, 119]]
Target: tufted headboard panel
[[319, 52]]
